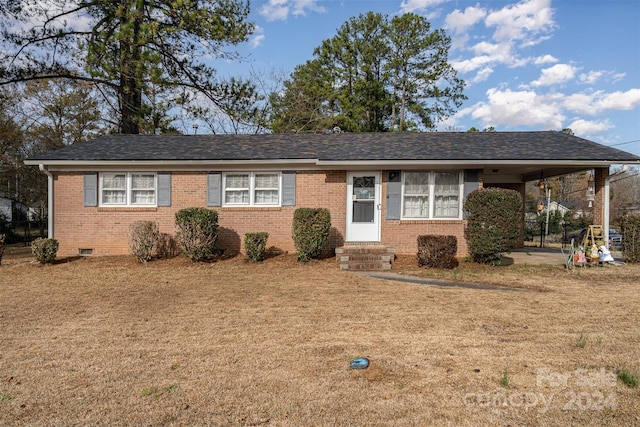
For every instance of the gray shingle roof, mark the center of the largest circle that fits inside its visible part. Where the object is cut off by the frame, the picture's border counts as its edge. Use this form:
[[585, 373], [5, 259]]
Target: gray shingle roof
[[446, 146]]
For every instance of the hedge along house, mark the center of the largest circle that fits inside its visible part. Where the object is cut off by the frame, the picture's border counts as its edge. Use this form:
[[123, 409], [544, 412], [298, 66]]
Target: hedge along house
[[382, 189]]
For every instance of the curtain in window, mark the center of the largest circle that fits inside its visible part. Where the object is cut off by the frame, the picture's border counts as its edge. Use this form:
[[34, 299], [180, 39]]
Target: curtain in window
[[114, 189], [143, 189], [447, 194], [416, 195], [266, 189], [237, 189]]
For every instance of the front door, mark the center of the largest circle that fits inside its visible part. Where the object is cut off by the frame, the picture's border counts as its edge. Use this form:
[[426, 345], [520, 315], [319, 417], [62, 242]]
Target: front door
[[363, 206]]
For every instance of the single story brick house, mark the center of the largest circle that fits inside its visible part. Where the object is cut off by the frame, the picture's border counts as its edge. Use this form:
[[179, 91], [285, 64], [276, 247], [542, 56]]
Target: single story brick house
[[381, 188]]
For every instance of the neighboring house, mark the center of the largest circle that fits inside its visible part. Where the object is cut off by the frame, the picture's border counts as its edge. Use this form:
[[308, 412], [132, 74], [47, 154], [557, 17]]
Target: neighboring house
[[382, 188], [11, 210], [557, 207]]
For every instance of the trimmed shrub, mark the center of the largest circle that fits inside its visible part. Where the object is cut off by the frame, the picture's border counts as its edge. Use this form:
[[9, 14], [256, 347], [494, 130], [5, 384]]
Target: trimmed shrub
[[437, 251], [630, 228], [45, 250], [493, 223], [255, 245], [2, 245], [143, 237], [310, 232], [197, 231]]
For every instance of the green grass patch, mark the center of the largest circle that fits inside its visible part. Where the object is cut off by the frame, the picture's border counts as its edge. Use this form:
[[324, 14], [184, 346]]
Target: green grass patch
[[504, 381], [628, 377]]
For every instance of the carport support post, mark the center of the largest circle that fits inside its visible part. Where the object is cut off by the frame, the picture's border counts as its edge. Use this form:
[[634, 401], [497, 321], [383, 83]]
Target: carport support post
[[601, 201]]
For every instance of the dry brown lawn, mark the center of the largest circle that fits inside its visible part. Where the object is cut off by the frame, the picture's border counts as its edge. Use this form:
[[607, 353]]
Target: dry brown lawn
[[106, 341]]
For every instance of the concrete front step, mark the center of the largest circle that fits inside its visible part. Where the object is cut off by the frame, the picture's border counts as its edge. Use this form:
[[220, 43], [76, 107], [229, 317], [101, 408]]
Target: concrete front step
[[365, 257]]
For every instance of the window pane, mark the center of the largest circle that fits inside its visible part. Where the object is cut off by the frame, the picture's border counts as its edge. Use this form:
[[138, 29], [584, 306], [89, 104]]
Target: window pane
[[237, 181], [114, 181], [143, 197], [114, 187], [416, 183], [143, 181], [416, 195], [236, 197], [114, 197], [267, 197], [266, 181], [416, 207], [447, 194]]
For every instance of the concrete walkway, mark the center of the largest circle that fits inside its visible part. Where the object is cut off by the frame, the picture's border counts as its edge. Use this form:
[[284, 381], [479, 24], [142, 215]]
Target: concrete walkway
[[445, 283], [538, 256]]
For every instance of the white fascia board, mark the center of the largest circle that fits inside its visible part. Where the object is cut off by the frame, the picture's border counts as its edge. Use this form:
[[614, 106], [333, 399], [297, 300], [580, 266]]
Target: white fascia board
[[172, 165]]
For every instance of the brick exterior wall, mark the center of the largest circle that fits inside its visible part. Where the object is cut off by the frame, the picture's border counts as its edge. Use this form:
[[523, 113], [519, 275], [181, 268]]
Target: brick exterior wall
[[105, 230], [402, 235], [601, 175]]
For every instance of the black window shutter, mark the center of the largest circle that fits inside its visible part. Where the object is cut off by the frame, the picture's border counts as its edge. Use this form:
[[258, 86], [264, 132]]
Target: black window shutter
[[288, 188], [164, 189], [90, 189], [394, 195], [214, 189]]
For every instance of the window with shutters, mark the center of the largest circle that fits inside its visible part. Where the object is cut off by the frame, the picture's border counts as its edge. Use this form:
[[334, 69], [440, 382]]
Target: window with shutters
[[251, 188], [431, 194], [128, 189]]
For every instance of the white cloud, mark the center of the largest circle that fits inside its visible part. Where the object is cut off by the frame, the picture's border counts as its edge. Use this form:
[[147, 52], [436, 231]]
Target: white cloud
[[301, 6], [586, 127], [459, 21], [482, 75], [278, 10], [559, 73], [521, 20], [545, 59], [515, 26], [418, 5], [258, 37], [467, 65], [507, 108], [591, 77], [599, 101], [619, 100], [275, 10]]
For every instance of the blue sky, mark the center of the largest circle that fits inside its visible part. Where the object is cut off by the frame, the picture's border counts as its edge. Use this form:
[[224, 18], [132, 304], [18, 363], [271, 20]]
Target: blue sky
[[529, 65]]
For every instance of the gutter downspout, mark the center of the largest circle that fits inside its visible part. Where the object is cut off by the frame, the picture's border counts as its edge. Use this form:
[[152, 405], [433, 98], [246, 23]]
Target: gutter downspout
[[44, 169]]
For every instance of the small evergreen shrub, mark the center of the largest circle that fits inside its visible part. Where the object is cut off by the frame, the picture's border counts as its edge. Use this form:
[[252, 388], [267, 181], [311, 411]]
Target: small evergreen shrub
[[630, 229], [142, 238], [310, 232], [493, 223], [45, 250], [2, 245], [197, 231], [437, 251], [255, 245]]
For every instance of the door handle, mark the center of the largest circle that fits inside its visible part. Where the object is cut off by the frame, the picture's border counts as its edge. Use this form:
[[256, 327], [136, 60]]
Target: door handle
[[379, 206]]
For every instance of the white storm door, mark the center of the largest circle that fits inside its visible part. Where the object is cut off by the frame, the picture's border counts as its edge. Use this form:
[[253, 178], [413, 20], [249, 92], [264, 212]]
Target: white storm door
[[363, 206]]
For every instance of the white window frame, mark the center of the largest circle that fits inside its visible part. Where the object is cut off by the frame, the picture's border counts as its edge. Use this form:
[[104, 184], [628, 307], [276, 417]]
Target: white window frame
[[252, 188], [432, 195], [128, 190]]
